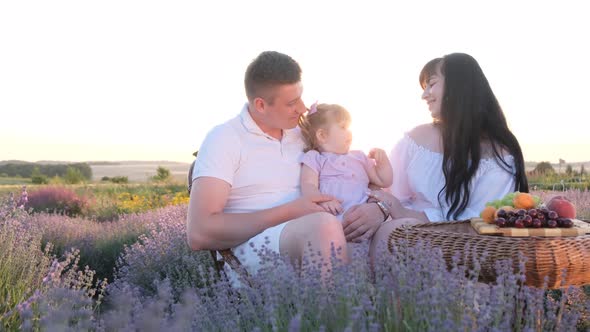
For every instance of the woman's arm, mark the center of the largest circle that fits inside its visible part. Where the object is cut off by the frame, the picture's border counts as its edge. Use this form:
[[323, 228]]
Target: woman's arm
[[396, 209], [494, 183]]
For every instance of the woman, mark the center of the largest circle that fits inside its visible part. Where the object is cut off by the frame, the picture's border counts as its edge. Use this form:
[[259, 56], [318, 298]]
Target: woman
[[450, 168]]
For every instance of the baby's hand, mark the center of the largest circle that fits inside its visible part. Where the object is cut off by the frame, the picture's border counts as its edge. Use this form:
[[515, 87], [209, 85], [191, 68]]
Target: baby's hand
[[334, 207], [378, 154]]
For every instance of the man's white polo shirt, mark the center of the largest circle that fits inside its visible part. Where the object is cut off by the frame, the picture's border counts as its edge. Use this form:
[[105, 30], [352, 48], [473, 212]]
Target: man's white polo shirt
[[263, 172]]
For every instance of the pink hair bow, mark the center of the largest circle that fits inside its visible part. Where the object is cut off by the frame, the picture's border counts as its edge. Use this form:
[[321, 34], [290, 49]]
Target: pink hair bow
[[313, 108]]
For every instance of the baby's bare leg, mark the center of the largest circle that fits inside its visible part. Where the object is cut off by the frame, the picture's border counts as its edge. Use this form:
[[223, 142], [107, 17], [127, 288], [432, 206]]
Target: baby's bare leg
[[317, 232]]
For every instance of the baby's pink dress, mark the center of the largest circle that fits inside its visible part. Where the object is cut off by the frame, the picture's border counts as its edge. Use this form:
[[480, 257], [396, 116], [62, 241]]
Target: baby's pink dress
[[343, 176]]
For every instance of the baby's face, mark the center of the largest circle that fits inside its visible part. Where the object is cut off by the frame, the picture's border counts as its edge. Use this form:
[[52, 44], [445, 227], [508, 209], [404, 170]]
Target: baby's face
[[338, 138]]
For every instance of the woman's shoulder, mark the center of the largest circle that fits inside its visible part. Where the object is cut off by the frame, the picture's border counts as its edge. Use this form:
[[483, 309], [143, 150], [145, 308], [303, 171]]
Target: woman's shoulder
[[427, 136], [422, 129], [488, 151]]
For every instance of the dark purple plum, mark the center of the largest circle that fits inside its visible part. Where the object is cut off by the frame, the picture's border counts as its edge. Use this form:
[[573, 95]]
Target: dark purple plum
[[500, 222], [510, 221], [527, 221], [567, 223]]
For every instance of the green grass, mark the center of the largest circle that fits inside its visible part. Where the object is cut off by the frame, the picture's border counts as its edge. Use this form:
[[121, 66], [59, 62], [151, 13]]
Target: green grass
[[558, 181], [94, 187], [14, 181]]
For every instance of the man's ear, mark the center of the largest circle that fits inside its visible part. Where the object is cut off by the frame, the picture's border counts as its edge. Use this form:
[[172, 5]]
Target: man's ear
[[259, 105]]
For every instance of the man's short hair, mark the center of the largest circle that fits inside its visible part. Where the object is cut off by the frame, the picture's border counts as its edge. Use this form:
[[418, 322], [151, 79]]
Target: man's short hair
[[269, 70]]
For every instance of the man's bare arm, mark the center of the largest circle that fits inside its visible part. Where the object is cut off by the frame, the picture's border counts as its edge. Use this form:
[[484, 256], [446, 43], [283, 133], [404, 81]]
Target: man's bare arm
[[209, 228]]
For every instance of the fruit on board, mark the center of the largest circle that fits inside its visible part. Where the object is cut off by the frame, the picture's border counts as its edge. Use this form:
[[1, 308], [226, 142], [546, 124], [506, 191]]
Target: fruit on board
[[523, 201], [532, 218], [500, 222], [567, 223], [503, 211], [523, 210], [488, 214], [563, 206]]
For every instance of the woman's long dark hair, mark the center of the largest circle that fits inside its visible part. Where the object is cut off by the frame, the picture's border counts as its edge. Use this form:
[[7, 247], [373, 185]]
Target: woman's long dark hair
[[470, 113]]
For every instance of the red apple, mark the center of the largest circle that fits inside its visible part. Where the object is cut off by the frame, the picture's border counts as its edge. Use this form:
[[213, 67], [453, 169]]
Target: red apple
[[563, 207]]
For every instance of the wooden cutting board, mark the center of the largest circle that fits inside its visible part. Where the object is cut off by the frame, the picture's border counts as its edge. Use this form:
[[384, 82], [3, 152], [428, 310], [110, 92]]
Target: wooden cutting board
[[580, 228]]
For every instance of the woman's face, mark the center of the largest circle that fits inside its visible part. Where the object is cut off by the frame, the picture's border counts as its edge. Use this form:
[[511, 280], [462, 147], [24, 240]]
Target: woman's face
[[434, 89]]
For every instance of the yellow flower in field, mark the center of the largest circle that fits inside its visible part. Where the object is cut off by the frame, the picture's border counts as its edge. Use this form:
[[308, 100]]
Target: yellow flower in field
[[127, 203], [180, 198], [145, 200]]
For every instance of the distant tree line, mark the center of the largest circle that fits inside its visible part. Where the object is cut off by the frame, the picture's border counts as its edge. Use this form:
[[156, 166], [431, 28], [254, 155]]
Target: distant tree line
[[545, 168], [544, 177], [27, 170]]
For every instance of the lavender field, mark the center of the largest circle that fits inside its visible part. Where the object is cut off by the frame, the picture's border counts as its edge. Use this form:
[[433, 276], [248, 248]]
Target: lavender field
[[61, 273]]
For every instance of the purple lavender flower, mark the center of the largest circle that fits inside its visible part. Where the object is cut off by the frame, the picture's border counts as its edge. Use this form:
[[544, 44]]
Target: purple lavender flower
[[161, 284]]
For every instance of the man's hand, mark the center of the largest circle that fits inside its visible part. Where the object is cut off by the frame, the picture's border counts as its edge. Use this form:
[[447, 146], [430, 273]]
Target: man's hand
[[307, 204], [361, 221], [334, 207]]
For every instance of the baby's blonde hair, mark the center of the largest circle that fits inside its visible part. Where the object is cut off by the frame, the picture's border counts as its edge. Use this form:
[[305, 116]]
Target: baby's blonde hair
[[325, 115]]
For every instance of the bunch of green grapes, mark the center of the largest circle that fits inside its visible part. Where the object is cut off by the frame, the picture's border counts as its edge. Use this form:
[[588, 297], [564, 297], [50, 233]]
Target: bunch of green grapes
[[508, 200]]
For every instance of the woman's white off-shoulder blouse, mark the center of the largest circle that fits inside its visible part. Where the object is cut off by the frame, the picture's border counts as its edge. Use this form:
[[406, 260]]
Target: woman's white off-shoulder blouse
[[418, 179]]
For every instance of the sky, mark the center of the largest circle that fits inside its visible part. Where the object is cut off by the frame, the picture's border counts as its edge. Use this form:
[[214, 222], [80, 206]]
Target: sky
[[146, 80]]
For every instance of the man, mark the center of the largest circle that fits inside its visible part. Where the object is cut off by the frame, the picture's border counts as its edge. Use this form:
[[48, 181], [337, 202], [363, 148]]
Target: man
[[246, 179]]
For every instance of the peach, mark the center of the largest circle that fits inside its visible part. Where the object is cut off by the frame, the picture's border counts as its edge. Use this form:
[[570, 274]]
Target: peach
[[563, 207], [488, 214], [523, 201]]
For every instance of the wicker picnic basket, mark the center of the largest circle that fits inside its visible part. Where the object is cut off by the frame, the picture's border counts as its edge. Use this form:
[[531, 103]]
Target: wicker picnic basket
[[545, 256]]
